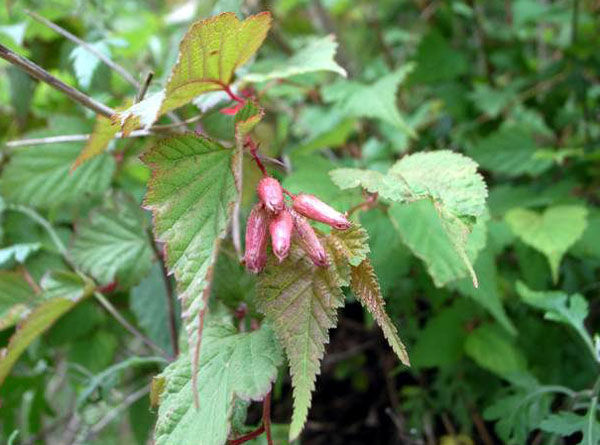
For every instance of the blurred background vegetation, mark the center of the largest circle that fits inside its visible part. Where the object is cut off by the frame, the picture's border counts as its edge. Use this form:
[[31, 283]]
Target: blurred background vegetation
[[512, 84]]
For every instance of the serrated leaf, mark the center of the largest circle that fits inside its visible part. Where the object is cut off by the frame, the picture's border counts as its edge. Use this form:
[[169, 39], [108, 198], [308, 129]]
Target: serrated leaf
[[376, 101], [566, 423], [17, 253], [16, 298], [301, 302], [61, 292], [558, 306], [352, 243], [112, 243], [317, 55], [40, 177], [104, 131], [437, 61], [552, 232], [232, 364], [449, 180], [366, 288], [191, 193], [209, 54]]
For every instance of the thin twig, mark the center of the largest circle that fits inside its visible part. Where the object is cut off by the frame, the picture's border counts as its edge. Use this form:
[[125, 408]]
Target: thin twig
[[132, 330], [144, 87], [41, 74], [70, 138], [169, 294], [106, 60]]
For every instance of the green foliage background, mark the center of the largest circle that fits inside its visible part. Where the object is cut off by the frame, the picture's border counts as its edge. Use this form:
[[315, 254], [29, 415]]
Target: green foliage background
[[512, 85]]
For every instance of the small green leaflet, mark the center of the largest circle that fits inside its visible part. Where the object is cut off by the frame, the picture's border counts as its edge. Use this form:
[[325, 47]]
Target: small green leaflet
[[317, 55], [449, 180], [61, 292], [232, 365], [558, 306], [552, 232], [112, 243], [209, 55], [376, 101], [191, 194], [301, 302]]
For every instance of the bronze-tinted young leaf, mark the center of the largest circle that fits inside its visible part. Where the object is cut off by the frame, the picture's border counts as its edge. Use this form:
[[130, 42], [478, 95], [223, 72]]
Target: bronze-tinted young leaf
[[301, 301], [209, 54], [366, 288]]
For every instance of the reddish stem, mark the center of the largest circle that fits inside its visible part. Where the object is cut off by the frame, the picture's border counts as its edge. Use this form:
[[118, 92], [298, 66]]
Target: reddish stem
[[267, 417], [245, 438], [232, 94], [253, 148]]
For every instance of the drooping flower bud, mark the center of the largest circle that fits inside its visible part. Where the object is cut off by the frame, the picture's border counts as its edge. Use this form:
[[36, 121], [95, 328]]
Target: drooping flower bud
[[270, 194], [309, 241], [281, 234], [313, 208], [255, 256]]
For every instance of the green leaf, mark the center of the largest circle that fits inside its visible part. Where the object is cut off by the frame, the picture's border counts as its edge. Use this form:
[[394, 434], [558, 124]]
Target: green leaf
[[521, 410], [436, 61], [317, 55], [148, 302], [209, 55], [62, 291], [41, 176], [16, 298], [429, 239], [112, 244], [566, 423], [552, 232], [17, 253], [375, 101], [366, 288], [441, 342], [191, 193], [493, 350], [488, 294], [510, 151], [301, 301], [558, 306], [232, 364], [449, 180]]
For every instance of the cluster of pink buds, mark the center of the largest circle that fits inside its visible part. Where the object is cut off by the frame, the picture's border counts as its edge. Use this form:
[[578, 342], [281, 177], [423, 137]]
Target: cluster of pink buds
[[272, 216]]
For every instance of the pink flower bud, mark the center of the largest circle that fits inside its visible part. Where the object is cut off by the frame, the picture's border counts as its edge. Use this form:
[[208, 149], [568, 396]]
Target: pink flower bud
[[271, 194], [281, 233], [256, 239], [309, 241], [313, 208]]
